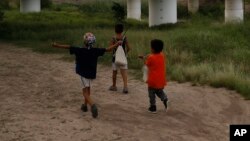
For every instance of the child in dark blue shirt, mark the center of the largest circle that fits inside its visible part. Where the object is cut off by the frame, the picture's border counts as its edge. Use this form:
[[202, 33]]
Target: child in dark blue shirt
[[86, 64]]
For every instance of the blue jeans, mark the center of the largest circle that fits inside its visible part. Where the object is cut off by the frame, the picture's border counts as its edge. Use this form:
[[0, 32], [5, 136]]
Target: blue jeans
[[159, 92]]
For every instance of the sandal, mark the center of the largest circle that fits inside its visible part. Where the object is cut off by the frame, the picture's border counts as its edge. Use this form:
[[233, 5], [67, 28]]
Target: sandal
[[125, 90], [113, 88]]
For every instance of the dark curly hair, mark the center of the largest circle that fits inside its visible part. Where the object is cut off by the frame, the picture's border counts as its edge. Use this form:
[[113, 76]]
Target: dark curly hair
[[157, 45]]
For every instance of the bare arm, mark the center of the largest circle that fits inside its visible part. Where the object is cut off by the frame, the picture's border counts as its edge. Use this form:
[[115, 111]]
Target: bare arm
[[112, 46], [128, 46], [56, 45], [143, 57]]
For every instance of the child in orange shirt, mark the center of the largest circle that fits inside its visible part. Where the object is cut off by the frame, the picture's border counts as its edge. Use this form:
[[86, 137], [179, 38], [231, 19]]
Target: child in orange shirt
[[156, 80]]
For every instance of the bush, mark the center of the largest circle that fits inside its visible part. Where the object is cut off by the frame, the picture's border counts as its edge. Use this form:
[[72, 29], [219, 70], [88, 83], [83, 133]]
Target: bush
[[97, 6], [215, 10], [1, 15], [119, 12], [4, 4], [46, 4], [182, 11]]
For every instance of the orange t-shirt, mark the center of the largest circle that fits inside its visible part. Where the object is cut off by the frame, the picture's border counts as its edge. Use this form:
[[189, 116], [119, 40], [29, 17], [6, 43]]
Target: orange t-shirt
[[156, 71]]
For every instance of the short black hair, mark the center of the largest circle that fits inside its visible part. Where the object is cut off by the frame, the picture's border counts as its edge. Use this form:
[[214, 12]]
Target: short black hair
[[118, 28], [157, 45]]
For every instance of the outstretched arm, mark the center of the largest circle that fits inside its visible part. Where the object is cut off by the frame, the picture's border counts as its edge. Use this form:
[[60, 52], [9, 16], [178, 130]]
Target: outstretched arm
[[56, 45], [143, 57], [112, 46]]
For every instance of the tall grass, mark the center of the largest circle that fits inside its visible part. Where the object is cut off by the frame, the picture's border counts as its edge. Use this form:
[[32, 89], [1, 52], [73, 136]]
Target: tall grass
[[202, 50]]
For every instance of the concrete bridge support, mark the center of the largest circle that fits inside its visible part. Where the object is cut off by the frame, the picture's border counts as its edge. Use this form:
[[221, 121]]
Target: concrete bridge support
[[162, 12], [134, 9], [193, 6], [234, 11], [30, 6]]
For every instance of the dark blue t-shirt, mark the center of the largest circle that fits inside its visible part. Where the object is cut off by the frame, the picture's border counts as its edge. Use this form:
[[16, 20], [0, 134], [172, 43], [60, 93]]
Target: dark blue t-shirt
[[86, 60]]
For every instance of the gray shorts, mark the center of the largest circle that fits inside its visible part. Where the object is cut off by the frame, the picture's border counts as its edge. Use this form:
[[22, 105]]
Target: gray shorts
[[86, 82], [115, 67]]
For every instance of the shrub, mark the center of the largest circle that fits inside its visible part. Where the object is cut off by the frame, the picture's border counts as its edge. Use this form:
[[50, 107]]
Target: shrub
[[215, 10], [46, 3], [97, 6], [119, 12], [4, 4], [1, 15], [182, 11]]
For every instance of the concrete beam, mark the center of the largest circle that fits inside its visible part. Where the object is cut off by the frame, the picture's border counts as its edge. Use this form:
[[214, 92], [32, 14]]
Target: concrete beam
[[134, 9], [162, 12], [234, 11], [30, 6]]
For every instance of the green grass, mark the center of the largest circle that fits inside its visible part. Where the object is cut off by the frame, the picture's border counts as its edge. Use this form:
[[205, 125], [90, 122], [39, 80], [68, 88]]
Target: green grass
[[202, 49]]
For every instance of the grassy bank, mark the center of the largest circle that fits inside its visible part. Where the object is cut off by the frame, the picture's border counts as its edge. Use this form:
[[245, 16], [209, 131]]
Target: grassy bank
[[202, 49]]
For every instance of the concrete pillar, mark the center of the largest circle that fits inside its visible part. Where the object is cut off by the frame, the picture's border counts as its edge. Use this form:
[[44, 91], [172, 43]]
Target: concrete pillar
[[30, 6], [193, 6], [162, 12], [234, 11], [134, 9]]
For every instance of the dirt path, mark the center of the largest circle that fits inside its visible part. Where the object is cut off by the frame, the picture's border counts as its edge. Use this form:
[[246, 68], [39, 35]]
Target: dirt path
[[40, 100]]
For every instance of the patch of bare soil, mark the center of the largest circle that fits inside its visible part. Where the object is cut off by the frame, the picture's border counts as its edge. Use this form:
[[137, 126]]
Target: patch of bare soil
[[40, 99]]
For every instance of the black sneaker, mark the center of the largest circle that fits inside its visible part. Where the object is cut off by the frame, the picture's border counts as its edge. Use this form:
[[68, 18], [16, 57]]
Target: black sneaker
[[84, 108], [94, 111], [152, 109], [125, 90], [165, 102]]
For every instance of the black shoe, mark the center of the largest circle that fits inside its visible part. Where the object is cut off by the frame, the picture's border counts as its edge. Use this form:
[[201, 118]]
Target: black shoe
[[165, 102], [84, 108], [125, 90], [94, 111], [152, 109]]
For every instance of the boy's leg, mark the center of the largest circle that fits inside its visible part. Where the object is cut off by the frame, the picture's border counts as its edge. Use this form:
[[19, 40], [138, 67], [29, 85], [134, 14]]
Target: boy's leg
[[114, 74], [84, 106], [162, 95], [86, 94], [114, 78], [113, 87], [151, 95], [125, 80]]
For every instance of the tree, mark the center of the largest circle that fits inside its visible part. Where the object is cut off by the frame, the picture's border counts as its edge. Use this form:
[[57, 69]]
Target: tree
[[119, 12], [4, 4], [46, 3]]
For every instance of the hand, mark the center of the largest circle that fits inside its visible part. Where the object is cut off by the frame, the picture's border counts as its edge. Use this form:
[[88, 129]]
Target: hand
[[118, 43], [54, 44], [141, 56]]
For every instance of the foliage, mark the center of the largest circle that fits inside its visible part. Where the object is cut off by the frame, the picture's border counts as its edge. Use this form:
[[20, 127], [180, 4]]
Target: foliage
[[1, 15], [214, 10], [4, 4], [182, 11], [119, 12], [99, 6], [46, 4]]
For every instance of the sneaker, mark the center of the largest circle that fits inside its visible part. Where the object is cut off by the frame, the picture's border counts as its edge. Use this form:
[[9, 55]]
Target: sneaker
[[165, 102], [125, 90], [113, 88], [84, 108], [152, 109], [94, 111]]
